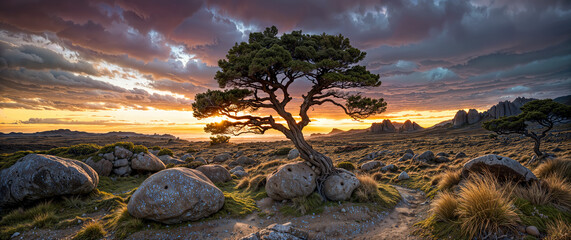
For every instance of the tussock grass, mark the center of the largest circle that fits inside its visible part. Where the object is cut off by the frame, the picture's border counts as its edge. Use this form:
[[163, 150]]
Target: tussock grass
[[558, 230], [91, 231], [537, 193], [257, 183], [43, 220], [560, 192], [9, 159], [123, 223], [165, 151], [485, 208], [369, 191], [304, 205], [41, 215], [449, 179], [445, 207], [558, 167], [349, 166]]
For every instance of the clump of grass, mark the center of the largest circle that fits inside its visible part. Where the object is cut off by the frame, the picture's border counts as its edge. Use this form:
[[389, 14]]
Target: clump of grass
[[190, 150], [445, 206], [123, 223], [155, 148], [378, 176], [449, 179], [346, 165], [219, 139], [111, 147], [91, 231], [193, 164], [558, 167], [282, 151], [43, 220], [560, 191], [536, 193], [140, 149], [165, 151], [257, 183], [9, 159], [303, 205], [558, 230], [243, 183], [369, 191], [485, 208]]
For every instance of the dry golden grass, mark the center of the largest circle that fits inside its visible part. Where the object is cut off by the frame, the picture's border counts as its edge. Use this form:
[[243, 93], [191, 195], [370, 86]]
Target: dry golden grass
[[560, 191], [555, 166], [91, 231], [378, 176], [257, 182], [485, 208], [537, 193], [368, 190], [558, 230], [244, 182], [449, 179], [445, 206]]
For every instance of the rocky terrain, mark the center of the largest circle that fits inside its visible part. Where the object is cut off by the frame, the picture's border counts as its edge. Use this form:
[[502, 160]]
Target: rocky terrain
[[259, 191]]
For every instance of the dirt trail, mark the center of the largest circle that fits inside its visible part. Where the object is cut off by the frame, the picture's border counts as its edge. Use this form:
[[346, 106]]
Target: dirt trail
[[399, 223]]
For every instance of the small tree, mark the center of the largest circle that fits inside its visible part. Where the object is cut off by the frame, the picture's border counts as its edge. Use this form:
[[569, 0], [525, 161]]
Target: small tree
[[260, 73], [542, 113]]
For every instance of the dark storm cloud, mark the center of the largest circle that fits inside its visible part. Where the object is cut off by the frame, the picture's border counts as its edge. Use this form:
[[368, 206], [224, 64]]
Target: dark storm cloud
[[430, 54]]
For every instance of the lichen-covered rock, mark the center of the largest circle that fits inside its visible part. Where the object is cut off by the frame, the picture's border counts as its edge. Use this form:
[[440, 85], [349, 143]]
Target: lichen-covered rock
[[121, 152], [371, 165], [38, 176], [120, 163], [146, 162], [403, 176], [293, 154], [340, 186], [215, 173], [503, 168], [290, 181], [221, 157], [460, 155], [426, 156], [103, 167], [176, 195], [390, 167], [109, 156]]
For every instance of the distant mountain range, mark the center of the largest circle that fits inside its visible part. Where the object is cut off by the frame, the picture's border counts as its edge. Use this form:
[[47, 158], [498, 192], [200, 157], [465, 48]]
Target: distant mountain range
[[67, 132]]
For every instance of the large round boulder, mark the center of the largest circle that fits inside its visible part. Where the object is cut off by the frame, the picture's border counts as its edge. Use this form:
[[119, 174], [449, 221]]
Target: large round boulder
[[147, 162], [215, 173], [503, 168], [176, 195], [290, 181], [221, 157], [370, 165], [340, 186], [38, 176], [103, 167], [424, 157], [293, 154]]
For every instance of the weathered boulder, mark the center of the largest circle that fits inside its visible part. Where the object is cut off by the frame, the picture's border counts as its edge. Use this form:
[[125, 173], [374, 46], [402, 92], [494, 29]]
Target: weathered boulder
[[371, 165], [238, 168], [125, 170], [442, 154], [38, 176], [278, 232], [293, 154], [390, 167], [409, 151], [120, 163], [121, 152], [405, 157], [290, 181], [340, 186], [109, 156], [176, 195], [409, 126], [403, 176], [242, 161], [473, 116], [216, 173], [503, 168], [460, 155], [146, 162], [200, 159], [426, 156], [240, 173], [239, 154], [383, 127], [460, 119], [221, 157], [103, 167], [167, 159], [441, 159]]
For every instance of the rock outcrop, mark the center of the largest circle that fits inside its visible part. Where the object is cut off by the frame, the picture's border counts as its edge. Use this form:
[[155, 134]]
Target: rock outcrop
[[507, 108], [384, 127], [340, 186], [409, 126], [290, 181], [473, 116], [176, 195], [38, 176], [503, 168]]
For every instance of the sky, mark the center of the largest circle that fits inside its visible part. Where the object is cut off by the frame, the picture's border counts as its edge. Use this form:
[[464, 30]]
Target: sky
[[136, 65]]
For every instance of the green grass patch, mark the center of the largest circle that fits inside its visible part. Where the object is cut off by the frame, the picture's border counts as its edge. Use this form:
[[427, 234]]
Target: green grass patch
[[123, 223], [111, 147], [538, 215], [346, 165], [91, 231], [9, 159], [432, 228], [121, 184], [165, 151], [424, 183], [304, 205]]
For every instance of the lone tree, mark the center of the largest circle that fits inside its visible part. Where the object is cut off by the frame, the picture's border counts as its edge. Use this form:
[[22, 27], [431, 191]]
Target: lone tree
[[260, 74], [540, 115]]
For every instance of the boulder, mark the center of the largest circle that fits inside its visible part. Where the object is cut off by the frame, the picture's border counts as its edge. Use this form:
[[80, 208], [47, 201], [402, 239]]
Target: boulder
[[38, 176], [242, 161], [409, 126], [278, 232], [109, 156], [293, 154], [216, 173], [409, 151], [460, 155], [240, 173], [167, 159], [290, 181], [221, 157], [503, 168], [441, 159], [371, 165], [340, 186], [176, 195], [238, 168], [121, 152], [147, 162], [532, 230], [154, 152], [200, 159], [103, 167], [403, 176], [442, 154], [120, 163], [186, 157], [473, 116], [122, 171], [239, 154], [390, 167], [384, 127], [426, 156], [460, 119], [405, 157]]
